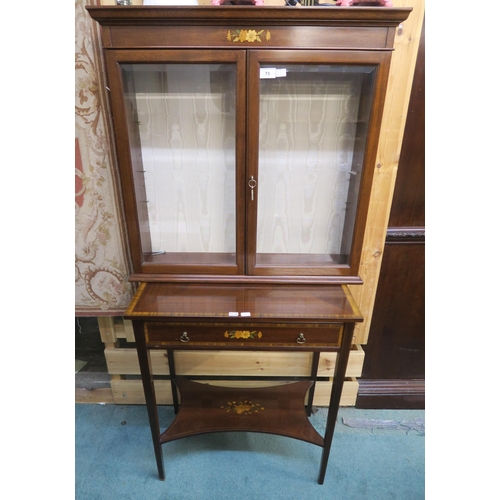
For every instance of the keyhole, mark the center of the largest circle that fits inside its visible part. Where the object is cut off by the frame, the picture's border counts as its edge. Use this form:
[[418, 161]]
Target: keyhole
[[252, 183]]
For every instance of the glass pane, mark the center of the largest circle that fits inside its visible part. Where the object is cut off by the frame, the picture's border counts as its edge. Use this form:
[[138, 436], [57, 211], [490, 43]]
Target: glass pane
[[313, 123], [186, 124]]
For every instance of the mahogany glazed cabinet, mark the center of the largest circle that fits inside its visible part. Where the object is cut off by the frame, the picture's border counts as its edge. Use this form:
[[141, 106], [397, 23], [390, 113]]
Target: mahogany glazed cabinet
[[246, 141]]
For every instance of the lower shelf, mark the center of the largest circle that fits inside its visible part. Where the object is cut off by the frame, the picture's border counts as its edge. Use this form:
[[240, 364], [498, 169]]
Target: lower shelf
[[275, 410]]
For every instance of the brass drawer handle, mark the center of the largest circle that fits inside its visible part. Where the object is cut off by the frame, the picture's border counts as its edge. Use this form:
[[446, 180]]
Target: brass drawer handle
[[301, 339], [184, 337]]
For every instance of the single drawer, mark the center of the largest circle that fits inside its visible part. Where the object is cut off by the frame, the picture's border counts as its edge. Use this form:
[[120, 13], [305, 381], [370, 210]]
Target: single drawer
[[242, 335]]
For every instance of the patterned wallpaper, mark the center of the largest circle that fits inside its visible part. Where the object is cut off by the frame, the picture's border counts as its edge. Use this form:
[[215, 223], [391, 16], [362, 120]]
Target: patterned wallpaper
[[101, 258]]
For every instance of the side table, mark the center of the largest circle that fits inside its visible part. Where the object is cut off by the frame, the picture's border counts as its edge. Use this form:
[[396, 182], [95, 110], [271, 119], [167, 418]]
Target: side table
[[178, 316]]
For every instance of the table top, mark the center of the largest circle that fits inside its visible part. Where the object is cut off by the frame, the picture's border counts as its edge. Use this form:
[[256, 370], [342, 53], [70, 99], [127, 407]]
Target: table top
[[247, 302]]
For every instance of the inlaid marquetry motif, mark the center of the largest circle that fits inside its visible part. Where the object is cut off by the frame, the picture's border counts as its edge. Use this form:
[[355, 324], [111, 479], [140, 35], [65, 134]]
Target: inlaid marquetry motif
[[245, 407], [242, 334], [247, 36]]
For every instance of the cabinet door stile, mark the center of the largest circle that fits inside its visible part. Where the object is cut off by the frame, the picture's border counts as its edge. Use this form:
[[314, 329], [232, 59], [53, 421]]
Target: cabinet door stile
[[367, 154], [241, 159], [252, 176], [128, 160]]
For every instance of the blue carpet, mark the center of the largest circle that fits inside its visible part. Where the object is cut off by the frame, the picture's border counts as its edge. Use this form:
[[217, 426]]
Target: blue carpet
[[115, 460]]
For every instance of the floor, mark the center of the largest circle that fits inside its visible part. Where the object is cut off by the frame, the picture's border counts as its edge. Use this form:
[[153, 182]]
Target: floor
[[376, 455]]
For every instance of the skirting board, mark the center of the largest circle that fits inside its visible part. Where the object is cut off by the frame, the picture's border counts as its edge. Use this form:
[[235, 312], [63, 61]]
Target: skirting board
[[391, 394]]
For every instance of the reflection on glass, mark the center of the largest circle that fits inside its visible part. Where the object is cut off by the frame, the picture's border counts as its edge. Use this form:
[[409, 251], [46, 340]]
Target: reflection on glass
[[186, 123], [312, 134]]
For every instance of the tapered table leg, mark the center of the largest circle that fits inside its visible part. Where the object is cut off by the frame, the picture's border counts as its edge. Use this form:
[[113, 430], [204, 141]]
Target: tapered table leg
[[171, 368], [338, 383], [149, 392], [314, 376]]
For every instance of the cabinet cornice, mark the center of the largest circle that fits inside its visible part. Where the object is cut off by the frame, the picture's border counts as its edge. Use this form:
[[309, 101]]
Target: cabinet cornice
[[316, 16]]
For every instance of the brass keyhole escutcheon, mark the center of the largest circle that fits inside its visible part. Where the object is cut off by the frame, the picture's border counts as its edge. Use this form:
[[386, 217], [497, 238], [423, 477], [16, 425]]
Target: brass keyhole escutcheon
[[252, 184]]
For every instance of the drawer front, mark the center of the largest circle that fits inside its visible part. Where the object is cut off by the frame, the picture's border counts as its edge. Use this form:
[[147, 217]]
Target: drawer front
[[243, 335]]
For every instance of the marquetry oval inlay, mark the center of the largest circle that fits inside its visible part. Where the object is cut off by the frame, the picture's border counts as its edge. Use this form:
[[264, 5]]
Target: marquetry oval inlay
[[242, 334], [248, 35], [245, 407]]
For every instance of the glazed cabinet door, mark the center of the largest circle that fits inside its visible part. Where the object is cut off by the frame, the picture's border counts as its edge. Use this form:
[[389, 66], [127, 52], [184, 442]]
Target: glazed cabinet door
[[180, 117], [246, 162], [313, 131]]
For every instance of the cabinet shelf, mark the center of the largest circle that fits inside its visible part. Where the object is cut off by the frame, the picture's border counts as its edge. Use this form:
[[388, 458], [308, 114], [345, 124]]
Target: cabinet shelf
[[273, 410]]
